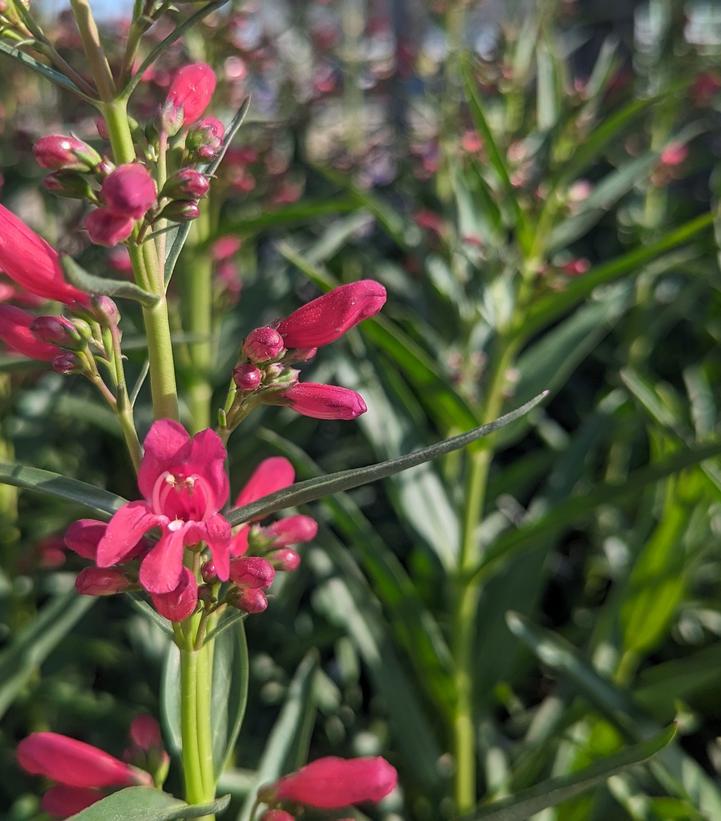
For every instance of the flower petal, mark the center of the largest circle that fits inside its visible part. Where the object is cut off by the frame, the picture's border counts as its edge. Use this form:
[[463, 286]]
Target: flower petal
[[217, 537], [270, 475], [239, 542], [180, 602], [207, 459], [162, 568], [124, 531], [163, 446]]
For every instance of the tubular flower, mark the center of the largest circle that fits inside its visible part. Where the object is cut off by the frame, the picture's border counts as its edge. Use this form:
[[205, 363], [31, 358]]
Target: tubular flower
[[74, 763], [190, 91], [331, 783], [16, 333], [184, 485], [33, 264], [330, 316], [324, 401]]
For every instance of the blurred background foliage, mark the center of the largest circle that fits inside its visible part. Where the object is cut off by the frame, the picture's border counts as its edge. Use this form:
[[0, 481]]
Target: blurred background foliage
[[534, 184]]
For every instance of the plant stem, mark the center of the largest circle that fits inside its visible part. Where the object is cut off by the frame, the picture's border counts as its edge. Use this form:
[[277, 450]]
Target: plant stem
[[198, 291], [468, 591], [149, 276], [194, 790], [93, 49]]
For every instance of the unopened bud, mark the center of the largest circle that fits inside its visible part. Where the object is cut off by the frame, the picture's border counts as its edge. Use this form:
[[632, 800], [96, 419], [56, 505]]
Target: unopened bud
[[247, 377], [180, 211], [107, 228], [57, 330], [252, 571], [188, 183], [101, 581], [129, 191], [68, 184], [205, 138], [292, 530], [66, 363], [250, 599], [263, 344], [284, 559], [302, 354], [59, 152], [106, 310], [207, 571]]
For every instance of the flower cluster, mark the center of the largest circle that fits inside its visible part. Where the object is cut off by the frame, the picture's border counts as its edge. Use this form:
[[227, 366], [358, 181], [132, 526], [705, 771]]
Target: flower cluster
[[83, 774], [329, 784], [184, 486], [265, 374]]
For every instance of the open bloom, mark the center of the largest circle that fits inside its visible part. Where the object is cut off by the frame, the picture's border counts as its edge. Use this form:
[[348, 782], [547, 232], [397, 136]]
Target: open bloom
[[16, 333], [33, 264], [331, 783], [184, 485], [327, 318]]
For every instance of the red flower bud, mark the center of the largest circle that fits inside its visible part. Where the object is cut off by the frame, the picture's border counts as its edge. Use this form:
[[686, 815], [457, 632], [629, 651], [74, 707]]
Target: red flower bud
[[327, 318], [284, 559], [104, 227], [106, 310], [64, 802], [16, 332], [74, 763], [188, 183], [101, 581], [57, 330], [66, 363], [145, 733], [247, 377], [331, 783], [179, 603], [180, 211], [205, 138], [324, 401], [58, 152], [251, 599], [252, 571], [292, 530], [33, 264], [263, 344], [190, 92], [129, 191]]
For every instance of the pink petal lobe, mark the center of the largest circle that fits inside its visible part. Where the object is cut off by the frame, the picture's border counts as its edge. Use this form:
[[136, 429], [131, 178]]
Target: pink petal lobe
[[217, 536], [163, 446], [207, 459], [127, 527], [271, 474], [239, 542], [162, 568]]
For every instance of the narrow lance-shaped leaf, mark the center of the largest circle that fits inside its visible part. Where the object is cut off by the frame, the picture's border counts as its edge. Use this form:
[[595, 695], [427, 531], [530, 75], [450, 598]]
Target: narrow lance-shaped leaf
[[93, 284], [101, 502], [45, 71], [312, 489], [145, 804], [526, 803]]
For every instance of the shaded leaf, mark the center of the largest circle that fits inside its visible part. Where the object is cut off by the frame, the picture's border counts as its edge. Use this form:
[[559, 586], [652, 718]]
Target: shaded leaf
[[117, 288], [146, 804]]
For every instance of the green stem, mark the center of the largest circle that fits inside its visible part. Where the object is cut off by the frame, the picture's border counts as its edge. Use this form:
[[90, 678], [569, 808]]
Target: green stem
[[468, 592], [198, 291], [93, 48], [149, 276], [194, 789]]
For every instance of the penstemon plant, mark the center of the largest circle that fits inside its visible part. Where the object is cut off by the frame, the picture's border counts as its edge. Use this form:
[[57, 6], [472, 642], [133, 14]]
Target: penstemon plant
[[196, 567]]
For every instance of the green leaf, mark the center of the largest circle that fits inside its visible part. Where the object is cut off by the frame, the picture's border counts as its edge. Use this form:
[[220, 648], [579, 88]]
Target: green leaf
[[146, 804], [170, 699], [102, 502], [549, 308], [295, 213], [31, 646], [287, 745], [181, 233], [45, 71], [312, 489], [120, 288], [230, 692], [526, 803]]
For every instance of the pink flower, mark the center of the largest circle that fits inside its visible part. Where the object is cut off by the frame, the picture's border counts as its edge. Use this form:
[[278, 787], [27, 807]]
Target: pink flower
[[184, 485], [324, 401], [191, 90], [180, 603], [16, 333], [252, 571], [83, 535], [101, 581], [205, 138], [129, 191], [285, 559], [272, 474], [75, 763], [331, 783], [330, 316], [105, 227], [292, 530], [33, 264], [247, 377], [187, 183], [64, 802], [58, 151]]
